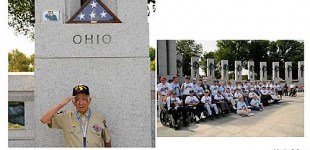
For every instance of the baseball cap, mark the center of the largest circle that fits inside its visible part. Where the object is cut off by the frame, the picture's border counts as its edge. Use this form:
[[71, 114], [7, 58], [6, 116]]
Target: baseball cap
[[162, 78], [194, 79], [252, 89], [207, 91], [191, 91], [187, 78], [80, 89]]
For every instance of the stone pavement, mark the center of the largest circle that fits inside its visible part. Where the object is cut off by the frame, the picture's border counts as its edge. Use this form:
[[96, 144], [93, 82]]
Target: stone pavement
[[285, 119]]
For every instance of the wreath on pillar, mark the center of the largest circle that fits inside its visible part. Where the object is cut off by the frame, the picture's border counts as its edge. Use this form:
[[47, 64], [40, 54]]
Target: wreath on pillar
[[264, 68], [211, 66], [302, 67], [195, 65], [251, 68], [289, 68], [276, 68], [239, 68], [225, 67], [179, 63]]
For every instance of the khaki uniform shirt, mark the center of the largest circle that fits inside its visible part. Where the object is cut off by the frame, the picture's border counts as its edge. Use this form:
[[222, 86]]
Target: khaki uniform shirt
[[97, 132]]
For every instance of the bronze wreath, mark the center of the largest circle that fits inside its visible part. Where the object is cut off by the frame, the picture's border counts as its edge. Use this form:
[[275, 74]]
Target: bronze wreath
[[289, 68], [195, 65], [225, 67], [239, 68], [276, 68], [179, 63]]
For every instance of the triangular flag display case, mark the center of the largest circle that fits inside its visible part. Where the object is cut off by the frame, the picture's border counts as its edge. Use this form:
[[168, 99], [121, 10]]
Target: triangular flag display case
[[94, 11]]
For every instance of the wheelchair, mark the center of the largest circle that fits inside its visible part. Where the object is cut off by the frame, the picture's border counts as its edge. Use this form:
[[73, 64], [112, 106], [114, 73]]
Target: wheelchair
[[167, 120]]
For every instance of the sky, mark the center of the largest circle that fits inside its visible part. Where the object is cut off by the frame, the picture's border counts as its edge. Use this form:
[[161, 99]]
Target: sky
[[20, 42]]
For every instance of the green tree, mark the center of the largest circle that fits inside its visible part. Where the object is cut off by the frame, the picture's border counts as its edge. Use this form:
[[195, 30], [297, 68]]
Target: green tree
[[21, 16], [152, 58], [152, 53], [188, 49], [261, 51], [19, 62]]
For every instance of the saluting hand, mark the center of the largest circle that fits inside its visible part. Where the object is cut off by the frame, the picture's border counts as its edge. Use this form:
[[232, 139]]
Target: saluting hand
[[65, 101]]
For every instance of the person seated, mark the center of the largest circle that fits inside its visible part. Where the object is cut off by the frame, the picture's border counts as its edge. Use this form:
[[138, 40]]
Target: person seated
[[245, 95], [242, 108], [220, 102], [174, 105], [206, 100], [256, 104], [275, 97], [192, 102], [251, 94], [230, 98], [265, 97]]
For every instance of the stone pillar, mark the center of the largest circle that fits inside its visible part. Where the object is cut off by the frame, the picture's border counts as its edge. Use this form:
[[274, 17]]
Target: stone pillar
[[210, 69], [194, 67], [251, 71], [301, 72], [224, 70], [179, 65], [112, 59], [288, 72], [238, 71], [263, 71], [275, 71], [166, 58]]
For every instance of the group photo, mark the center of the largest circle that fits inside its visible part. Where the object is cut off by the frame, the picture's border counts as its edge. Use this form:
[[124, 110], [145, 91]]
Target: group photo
[[242, 88]]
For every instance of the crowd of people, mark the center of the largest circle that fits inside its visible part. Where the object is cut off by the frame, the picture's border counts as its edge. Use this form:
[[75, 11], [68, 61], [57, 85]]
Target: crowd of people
[[200, 100]]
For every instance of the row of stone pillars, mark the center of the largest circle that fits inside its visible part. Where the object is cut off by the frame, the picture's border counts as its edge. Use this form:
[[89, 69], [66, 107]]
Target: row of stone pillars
[[251, 73]]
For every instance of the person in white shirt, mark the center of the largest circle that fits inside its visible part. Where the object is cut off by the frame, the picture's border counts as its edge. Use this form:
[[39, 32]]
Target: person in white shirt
[[192, 102], [185, 88], [275, 97], [176, 86], [199, 92], [163, 89], [220, 102], [214, 88], [279, 89], [206, 100], [174, 105], [230, 98], [195, 86], [265, 97], [242, 108], [292, 86], [256, 104]]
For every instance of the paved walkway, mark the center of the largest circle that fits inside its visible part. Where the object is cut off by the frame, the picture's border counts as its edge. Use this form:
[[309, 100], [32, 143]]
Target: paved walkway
[[284, 119]]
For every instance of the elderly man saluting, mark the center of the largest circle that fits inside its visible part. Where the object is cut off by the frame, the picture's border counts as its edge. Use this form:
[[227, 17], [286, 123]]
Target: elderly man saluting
[[81, 128]]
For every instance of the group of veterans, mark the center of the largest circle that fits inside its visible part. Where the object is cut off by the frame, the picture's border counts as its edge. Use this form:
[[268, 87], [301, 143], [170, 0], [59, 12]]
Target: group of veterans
[[201, 99]]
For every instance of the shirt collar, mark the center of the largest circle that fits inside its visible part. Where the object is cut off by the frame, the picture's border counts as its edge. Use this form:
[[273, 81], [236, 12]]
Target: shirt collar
[[85, 114]]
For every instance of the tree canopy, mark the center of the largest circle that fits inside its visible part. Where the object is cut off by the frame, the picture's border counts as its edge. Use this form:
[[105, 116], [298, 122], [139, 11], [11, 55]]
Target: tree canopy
[[188, 49], [19, 62], [258, 51]]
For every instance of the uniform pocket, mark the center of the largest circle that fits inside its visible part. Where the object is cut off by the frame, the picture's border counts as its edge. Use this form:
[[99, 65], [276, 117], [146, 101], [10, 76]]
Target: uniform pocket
[[95, 129]]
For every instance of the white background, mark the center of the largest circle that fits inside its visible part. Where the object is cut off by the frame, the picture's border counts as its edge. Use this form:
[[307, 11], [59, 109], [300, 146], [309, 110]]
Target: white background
[[211, 20]]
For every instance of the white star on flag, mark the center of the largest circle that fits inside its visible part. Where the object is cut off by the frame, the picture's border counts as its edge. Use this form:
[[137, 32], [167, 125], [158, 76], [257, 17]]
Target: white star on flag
[[103, 14], [82, 16], [93, 4], [92, 15]]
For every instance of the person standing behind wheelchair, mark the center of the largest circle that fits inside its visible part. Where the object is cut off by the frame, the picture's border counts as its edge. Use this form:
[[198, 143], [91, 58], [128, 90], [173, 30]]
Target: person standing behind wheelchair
[[193, 106], [176, 86], [185, 87], [174, 107], [199, 91], [206, 100], [163, 89], [214, 89]]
